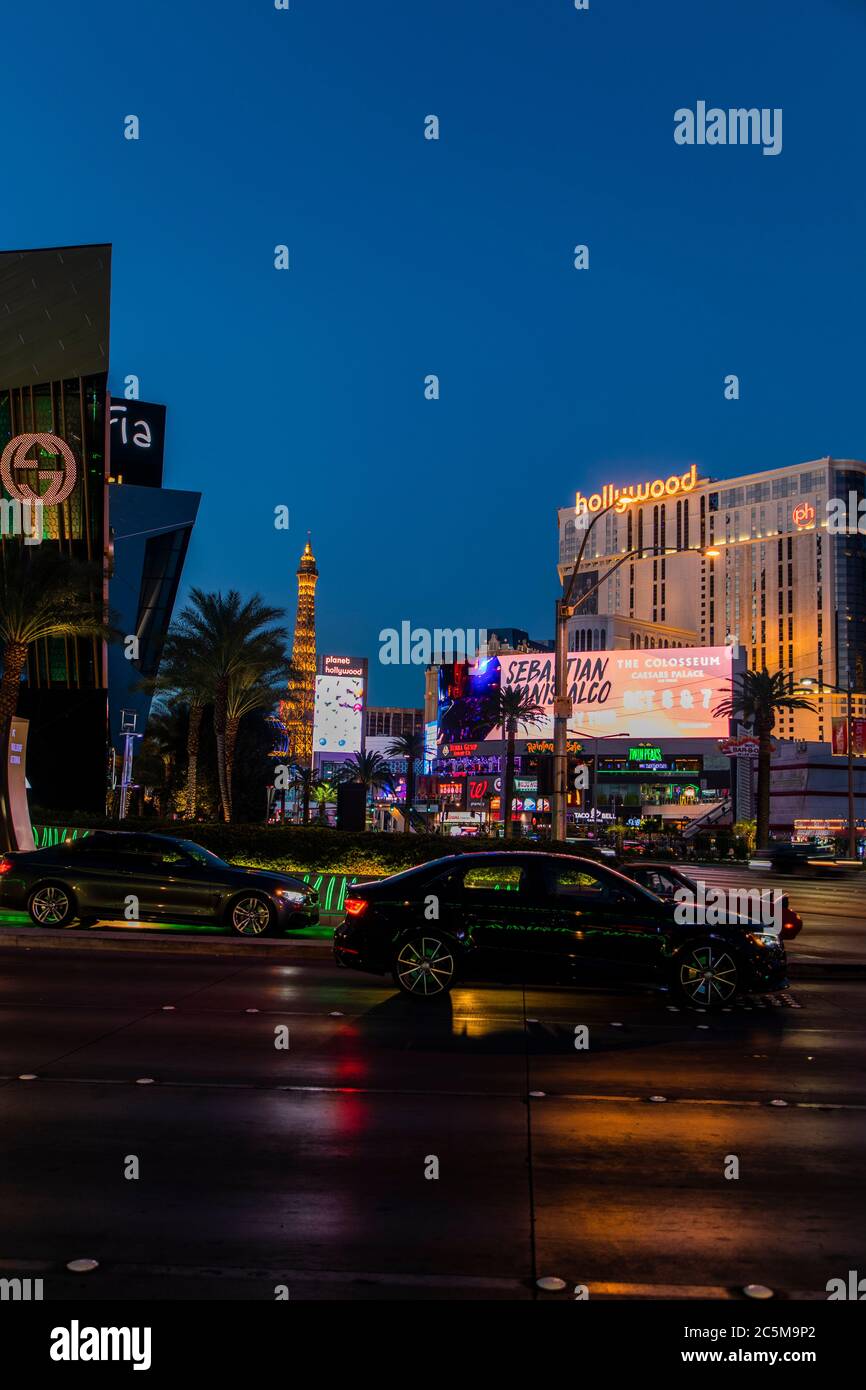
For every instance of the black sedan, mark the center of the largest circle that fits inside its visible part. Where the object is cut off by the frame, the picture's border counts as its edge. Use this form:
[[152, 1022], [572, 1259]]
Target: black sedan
[[545, 918], [114, 875], [665, 880]]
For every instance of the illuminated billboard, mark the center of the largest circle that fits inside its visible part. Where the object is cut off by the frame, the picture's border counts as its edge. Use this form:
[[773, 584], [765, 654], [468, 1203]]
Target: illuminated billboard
[[656, 693], [429, 744], [338, 716]]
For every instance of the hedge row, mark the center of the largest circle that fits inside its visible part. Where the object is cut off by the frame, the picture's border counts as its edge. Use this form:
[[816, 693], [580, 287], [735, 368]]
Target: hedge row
[[291, 847]]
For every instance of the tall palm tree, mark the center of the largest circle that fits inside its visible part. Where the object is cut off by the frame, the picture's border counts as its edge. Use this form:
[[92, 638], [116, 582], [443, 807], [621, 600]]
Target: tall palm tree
[[370, 769], [411, 747], [161, 751], [255, 685], [227, 633], [184, 678], [756, 697], [512, 708], [42, 594]]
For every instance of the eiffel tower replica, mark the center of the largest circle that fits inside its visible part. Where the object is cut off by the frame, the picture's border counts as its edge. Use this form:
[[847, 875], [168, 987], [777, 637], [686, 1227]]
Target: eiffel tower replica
[[296, 710]]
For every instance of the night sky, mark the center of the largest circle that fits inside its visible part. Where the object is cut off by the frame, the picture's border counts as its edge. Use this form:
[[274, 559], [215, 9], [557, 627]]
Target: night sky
[[409, 257]]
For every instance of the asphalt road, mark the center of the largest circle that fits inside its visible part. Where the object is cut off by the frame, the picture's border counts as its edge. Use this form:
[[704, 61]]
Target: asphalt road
[[305, 1167]]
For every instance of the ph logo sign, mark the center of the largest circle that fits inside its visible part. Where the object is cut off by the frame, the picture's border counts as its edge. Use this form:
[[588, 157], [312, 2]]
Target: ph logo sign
[[59, 470]]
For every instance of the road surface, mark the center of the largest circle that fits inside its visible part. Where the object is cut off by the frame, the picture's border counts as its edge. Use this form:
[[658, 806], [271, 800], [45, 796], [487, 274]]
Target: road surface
[[305, 1168]]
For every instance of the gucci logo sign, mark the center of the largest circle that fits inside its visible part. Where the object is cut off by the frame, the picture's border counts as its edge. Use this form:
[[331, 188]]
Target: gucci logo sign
[[61, 480]]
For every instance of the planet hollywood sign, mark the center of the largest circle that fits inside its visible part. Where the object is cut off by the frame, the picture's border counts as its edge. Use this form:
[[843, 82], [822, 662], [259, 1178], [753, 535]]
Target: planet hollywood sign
[[621, 497]]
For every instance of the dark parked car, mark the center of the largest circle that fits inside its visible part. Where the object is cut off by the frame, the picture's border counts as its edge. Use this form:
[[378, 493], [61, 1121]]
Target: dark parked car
[[664, 880], [805, 860], [591, 849], [94, 877], [548, 918]]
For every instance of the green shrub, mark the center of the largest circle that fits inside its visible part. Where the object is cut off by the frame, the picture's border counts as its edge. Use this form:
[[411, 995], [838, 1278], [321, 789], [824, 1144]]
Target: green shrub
[[290, 847]]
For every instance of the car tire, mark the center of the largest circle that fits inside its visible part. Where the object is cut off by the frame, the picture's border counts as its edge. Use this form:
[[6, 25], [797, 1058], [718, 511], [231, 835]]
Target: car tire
[[425, 966], [51, 905], [706, 975], [251, 914]]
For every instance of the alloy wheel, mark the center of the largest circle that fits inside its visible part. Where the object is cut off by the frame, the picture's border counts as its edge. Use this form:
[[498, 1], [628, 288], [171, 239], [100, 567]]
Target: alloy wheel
[[708, 976], [49, 906], [251, 916], [425, 966]]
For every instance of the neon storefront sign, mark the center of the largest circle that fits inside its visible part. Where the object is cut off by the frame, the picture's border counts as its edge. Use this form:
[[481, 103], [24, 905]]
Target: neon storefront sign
[[61, 476]]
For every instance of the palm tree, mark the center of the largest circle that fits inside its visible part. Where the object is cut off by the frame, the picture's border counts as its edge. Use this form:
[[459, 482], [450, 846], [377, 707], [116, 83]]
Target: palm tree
[[227, 634], [258, 684], [411, 747], [511, 708], [303, 780], [370, 769], [43, 594], [184, 677], [323, 792], [755, 698], [160, 753]]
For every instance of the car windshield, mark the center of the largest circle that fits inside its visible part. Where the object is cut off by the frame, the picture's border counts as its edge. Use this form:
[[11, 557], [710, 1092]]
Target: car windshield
[[201, 855]]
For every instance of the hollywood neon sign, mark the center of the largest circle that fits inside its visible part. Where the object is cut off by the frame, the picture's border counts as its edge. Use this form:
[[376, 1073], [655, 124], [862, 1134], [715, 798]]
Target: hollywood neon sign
[[621, 497]]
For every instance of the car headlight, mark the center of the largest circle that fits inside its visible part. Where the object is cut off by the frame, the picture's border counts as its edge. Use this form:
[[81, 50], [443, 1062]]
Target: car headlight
[[289, 895], [759, 938]]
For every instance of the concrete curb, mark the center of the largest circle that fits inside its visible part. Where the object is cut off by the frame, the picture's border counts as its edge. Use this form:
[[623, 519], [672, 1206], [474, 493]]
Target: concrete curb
[[267, 949]]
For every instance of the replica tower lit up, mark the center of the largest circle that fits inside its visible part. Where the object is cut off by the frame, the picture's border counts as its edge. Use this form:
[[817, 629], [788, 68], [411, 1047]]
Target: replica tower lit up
[[296, 711]]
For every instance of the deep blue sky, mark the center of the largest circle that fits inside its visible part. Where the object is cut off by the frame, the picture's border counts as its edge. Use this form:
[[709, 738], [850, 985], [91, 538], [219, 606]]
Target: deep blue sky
[[408, 257]]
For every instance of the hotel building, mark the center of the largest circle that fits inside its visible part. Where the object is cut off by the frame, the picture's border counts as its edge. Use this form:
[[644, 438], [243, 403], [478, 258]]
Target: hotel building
[[785, 588]]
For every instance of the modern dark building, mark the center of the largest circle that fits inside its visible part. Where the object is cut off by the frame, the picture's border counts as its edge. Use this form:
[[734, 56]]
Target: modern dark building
[[54, 334], [94, 467], [150, 528]]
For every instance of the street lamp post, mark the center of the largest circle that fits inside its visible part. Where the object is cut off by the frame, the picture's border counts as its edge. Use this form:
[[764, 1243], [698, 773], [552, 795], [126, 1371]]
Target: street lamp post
[[566, 607]]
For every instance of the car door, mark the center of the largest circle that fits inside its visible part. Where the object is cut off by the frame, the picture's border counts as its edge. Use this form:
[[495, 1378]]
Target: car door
[[494, 905], [600, 924], [96, 873], [171, 884]]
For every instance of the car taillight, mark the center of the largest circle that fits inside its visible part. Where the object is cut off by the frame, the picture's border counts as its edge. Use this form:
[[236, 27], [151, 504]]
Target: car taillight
[[355, 906], [792, 922], [5, 865]]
